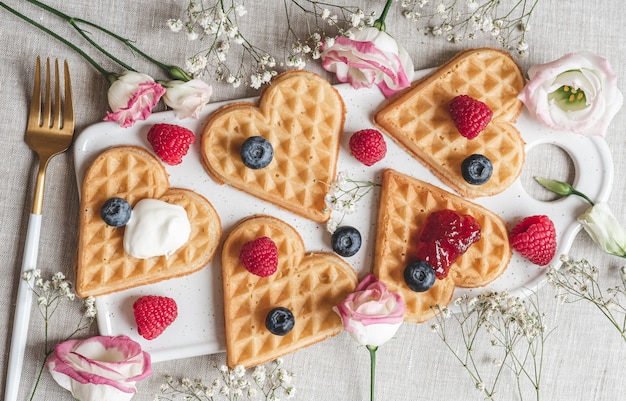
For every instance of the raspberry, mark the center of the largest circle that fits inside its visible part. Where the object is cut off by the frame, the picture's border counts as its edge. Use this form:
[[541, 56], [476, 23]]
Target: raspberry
[[259, 256], [368, 146], [470, 116], [153, 314], [170, 142], [535, 239]]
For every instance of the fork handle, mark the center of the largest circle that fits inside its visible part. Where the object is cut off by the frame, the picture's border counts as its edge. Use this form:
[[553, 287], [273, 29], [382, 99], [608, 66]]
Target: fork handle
[[22, 310]]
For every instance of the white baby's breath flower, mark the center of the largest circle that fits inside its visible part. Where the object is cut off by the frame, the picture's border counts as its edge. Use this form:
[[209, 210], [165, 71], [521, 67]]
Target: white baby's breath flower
[[225, 391], [239, 371], [192, 35], [290, 392], [332, 225], [241, 10], [296, 62], [356, 18], [175, 24], [256, 81]]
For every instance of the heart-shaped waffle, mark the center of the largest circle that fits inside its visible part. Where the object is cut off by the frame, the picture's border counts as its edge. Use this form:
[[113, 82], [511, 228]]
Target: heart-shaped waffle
[[419, 119], [405, 204], [302, 116], [308, 284], [132, 173]]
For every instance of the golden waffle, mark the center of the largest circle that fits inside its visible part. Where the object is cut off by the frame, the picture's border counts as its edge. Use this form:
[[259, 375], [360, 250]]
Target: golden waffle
[[133, 173], [302, 116], [419, 120], [308, 284], [405, 203]]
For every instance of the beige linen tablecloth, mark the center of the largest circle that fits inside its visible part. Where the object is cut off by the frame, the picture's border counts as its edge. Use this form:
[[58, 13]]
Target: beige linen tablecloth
[[585, 357]]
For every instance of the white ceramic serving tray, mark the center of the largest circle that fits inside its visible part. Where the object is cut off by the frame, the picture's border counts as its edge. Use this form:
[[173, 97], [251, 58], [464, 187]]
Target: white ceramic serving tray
[[199, 328]]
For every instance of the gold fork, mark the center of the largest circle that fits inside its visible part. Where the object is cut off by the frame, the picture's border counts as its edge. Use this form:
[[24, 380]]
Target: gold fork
[[49, 132]]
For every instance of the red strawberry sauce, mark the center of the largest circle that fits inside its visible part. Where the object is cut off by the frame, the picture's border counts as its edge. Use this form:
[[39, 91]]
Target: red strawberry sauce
[[444, 237]]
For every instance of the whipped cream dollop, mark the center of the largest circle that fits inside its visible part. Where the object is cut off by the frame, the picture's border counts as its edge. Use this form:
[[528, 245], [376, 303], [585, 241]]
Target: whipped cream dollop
[[156, 228]]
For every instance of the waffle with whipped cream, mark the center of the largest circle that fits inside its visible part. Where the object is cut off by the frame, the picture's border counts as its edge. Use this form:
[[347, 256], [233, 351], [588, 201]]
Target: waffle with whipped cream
[[132, 173]]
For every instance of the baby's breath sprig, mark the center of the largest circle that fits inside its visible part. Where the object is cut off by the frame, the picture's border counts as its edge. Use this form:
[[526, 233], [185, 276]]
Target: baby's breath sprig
[[216, 24], [49, 295], [343, 195], [577, 280], [463, 20], [324, 22], [271, 382], [516, 333]]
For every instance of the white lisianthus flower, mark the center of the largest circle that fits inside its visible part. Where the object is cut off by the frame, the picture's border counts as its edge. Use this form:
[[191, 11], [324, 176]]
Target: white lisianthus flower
[[132, 96], [602, 226], [371, 314], [576, 93], [99, 368], [187, 99], [367, 57]]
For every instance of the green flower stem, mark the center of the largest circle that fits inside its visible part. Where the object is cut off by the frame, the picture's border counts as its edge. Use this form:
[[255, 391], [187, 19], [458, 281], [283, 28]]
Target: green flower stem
[[173, 71], [380, 22], [91, 61], [372, 351], [74, 23]]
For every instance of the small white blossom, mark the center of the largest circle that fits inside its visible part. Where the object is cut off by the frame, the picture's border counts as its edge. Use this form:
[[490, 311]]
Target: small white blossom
[[175, 24], [290, 392], [241, 10], [356, 18], [225, 391], [239, 371], [192, 35]]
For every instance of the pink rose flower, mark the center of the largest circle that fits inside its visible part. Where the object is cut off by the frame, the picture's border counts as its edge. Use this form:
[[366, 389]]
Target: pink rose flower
[[576, 93], [372, 314], [99, 368], [132, 96], [187, 99], [370, 56]]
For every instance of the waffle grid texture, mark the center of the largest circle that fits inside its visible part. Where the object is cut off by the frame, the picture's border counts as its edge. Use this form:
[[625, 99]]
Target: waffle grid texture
[[419, 120], [302, 116], [132, 173], [308, 284], [406, 203]]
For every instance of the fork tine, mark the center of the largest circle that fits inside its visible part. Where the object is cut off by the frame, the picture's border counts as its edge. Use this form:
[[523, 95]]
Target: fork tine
[[47, 107], [56, 106], [35, 103], [68, 106]]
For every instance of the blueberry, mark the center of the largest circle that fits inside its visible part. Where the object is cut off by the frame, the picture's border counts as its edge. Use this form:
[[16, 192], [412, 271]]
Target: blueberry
[[115, 212], [419, 276], [346, 241], [279, 321], [256, 152], [476, 169]]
